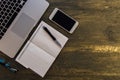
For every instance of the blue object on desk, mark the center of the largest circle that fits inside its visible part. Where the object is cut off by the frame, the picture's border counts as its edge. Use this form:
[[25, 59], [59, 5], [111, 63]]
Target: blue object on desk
[[7, 65], [2, 61]]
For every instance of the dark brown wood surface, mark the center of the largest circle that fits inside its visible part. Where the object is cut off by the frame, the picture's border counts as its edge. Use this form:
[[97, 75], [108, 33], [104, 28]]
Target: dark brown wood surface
[[93, 50]]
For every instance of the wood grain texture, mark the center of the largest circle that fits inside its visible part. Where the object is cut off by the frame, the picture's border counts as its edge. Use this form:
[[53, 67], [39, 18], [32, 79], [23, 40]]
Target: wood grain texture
[[93, 50]]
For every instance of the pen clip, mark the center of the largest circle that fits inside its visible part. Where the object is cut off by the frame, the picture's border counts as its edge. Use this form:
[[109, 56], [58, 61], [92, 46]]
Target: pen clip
[[45, 28], [51, 35]]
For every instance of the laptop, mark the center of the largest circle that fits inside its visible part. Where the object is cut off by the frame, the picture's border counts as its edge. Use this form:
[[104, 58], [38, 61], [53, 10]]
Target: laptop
[[17, 19]]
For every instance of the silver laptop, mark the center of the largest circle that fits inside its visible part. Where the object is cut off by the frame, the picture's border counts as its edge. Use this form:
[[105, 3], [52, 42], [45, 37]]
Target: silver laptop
[[17, 19]]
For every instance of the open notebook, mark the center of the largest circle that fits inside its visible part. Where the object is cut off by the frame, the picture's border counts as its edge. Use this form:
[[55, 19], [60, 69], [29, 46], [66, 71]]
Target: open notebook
[[41, 50]]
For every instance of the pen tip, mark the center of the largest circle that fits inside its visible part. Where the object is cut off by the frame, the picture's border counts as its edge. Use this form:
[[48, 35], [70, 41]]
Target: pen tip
[[58, 43]]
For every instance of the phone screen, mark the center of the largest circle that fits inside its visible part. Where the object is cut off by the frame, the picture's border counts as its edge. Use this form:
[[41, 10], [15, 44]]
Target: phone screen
[[63, 20]]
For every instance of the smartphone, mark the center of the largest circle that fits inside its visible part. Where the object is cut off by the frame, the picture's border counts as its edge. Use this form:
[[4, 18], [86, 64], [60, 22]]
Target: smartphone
[[63, 20]]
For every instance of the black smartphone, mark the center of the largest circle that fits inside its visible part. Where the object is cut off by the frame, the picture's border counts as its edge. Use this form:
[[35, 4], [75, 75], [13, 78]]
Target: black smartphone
[[63, 20]]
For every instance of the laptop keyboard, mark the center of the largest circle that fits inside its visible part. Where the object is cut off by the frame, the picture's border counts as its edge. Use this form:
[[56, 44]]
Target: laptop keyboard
[[8, 11]]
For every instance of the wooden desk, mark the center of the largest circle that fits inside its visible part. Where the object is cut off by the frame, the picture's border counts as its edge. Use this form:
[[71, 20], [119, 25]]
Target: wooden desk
[[93, 50]]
